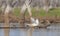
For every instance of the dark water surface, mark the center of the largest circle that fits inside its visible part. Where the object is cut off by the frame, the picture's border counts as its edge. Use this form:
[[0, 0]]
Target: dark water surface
[[53, 30]]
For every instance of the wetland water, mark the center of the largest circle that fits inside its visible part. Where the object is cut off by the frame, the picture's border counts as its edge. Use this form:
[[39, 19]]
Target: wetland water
[[53, 30]]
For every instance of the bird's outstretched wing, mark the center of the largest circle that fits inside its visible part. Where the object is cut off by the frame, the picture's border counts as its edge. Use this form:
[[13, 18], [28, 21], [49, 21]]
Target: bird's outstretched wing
[[37, 21], [32, 20]]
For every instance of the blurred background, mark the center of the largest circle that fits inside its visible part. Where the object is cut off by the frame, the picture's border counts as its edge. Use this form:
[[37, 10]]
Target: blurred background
[[34, 3]]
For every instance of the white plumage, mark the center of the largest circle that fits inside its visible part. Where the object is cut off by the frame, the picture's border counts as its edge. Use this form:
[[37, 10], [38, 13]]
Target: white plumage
[[27, 6], [34, 22]]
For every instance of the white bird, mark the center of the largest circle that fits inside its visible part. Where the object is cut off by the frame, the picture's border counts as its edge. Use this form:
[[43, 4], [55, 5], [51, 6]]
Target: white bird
[[35, 22]]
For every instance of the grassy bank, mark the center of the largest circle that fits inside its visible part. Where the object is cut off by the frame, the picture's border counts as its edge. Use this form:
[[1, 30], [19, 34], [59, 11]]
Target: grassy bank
[[41, 12]]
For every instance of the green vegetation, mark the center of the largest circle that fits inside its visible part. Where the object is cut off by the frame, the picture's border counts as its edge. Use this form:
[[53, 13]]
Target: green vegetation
[[41, 12], [16, 11]]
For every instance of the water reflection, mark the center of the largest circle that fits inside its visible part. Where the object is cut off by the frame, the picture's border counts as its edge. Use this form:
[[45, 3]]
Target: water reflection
[[1, 32], [53, 30], [14, 32]]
